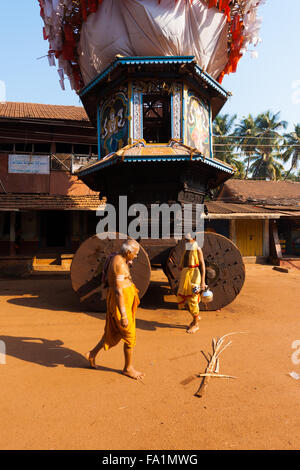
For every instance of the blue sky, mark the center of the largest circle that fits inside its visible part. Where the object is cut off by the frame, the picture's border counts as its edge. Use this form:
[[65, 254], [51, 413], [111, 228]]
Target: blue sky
[[272, 81]]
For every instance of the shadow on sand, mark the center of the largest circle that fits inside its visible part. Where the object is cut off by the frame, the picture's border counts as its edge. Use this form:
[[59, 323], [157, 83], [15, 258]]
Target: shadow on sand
[[58, 295], [47, 353], [63, 298]]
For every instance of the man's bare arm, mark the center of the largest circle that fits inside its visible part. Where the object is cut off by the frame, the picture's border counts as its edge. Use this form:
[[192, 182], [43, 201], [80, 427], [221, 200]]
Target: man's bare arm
[[202, 268], [117, 277]]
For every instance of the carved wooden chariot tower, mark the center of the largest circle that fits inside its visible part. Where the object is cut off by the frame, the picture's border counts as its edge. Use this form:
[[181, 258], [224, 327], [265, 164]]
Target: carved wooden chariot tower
[[154, 122]]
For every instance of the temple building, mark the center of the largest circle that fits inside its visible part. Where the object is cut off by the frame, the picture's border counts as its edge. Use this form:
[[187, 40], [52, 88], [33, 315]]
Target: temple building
[[45, 210]]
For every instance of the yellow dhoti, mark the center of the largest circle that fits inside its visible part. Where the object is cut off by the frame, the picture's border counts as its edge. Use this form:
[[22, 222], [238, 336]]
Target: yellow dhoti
[[114, 332], [189, 277]]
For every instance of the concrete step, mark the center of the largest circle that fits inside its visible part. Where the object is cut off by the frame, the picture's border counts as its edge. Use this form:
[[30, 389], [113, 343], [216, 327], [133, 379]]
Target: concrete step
[[50, 268], [255, 260], [63, 260], [45, 261]]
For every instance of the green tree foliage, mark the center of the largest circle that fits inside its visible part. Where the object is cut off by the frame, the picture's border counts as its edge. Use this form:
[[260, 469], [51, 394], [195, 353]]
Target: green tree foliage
[[266, 163], [291, 147], [256, 146], [224, 143], [246, 138]]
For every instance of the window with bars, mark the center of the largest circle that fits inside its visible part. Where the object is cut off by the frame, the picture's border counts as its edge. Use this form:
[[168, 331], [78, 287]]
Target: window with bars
[[64, 156]]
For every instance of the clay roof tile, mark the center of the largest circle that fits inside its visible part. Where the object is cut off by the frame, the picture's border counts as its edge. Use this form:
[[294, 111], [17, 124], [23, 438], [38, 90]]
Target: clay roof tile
[[10, 109]]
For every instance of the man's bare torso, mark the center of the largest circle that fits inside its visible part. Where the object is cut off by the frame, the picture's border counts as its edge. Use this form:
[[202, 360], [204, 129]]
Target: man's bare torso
[[118, 271]]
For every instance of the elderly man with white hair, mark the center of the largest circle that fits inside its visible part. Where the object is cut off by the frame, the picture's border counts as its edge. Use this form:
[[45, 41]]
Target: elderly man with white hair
[[122, 302]]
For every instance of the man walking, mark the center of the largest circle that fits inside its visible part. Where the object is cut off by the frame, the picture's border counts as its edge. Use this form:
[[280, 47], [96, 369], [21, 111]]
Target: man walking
[[192, 281], [122, 302]]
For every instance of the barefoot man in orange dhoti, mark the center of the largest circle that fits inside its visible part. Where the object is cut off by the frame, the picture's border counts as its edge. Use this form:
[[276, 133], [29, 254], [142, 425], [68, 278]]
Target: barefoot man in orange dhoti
[[122, 302], [192, 281]]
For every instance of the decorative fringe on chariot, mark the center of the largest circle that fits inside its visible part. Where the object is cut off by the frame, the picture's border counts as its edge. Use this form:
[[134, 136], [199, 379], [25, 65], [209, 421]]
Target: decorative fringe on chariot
[[63, 25]]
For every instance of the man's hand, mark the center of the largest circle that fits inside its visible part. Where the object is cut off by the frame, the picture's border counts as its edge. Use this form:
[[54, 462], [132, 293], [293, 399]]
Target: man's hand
[[203, 286], [124, 321]]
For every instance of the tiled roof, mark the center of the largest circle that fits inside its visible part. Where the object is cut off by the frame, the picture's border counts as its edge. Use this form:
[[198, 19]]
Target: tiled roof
[[17, 110], [227, 208], [272, 193], [295, 208], [93, 202], [140, 151], [48, 202]]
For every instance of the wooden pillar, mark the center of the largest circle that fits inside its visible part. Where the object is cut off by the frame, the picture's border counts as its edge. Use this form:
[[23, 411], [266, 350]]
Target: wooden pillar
[[266, 238], [12, 234], [232, 231], [275, 243]]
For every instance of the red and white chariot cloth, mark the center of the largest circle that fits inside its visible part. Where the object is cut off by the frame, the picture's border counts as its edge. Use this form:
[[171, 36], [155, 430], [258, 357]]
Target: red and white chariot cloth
[[85, 35]]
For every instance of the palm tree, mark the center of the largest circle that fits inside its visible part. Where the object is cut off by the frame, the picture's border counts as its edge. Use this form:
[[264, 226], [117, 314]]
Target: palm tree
[[292, 176], [265, 162], [270, 168], [225, 144], [292, 146], [246, 132]]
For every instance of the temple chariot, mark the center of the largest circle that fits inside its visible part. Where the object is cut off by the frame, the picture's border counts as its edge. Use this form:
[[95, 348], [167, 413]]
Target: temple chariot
[[149, 75]]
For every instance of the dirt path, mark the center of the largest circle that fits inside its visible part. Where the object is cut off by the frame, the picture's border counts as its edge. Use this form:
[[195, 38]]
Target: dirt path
[[51, 400]]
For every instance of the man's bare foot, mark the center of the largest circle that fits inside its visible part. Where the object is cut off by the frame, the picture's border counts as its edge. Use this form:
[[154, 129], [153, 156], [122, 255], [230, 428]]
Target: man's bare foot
[[193, 323], [91, 360], [192, 328], [190, 325], [133, 374]]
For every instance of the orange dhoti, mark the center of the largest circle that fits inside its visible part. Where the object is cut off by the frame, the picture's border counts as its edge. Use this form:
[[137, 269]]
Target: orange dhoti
[[114, 332]]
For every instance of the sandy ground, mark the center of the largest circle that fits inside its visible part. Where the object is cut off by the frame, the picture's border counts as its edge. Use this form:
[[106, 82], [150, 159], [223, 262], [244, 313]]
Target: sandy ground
[[50, 399]]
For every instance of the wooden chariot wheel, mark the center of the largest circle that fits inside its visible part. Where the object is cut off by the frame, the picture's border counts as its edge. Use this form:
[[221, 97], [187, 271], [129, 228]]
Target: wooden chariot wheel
[[87, 265], [225, 270]]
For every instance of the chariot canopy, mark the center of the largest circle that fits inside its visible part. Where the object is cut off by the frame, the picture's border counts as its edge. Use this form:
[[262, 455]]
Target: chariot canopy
[[85, 36]]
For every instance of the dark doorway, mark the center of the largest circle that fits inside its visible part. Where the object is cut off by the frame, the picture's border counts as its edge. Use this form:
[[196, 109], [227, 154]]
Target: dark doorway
[[54, 227], [289, 236], [156, 118]]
